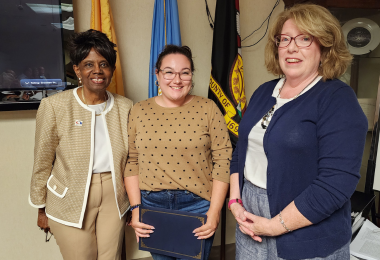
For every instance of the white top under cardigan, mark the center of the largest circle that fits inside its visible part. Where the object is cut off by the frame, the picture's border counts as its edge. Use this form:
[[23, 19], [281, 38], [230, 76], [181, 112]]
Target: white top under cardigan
[[256, 163]]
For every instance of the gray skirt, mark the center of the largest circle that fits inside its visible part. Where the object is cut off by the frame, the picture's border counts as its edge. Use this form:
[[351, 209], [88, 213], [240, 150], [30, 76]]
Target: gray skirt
[[256, 202]]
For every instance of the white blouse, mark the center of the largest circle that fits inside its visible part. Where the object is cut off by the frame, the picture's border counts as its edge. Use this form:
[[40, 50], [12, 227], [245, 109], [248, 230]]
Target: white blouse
[[101, 152], [256, 162]]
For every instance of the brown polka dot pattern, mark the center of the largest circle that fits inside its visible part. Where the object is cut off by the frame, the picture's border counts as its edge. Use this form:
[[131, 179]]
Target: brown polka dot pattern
[[60, 142], [178, 148]]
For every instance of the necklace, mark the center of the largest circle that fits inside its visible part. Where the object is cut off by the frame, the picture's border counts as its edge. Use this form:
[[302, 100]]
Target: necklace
[[84, 99], [268, 116]]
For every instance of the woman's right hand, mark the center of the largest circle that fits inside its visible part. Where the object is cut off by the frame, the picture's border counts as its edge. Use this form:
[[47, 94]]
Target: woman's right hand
[[42, 220], [141, 229], [238, 212]]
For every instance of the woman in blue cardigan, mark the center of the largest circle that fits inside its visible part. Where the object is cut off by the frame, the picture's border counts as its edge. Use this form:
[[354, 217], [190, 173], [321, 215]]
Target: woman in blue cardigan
[[300, 146]]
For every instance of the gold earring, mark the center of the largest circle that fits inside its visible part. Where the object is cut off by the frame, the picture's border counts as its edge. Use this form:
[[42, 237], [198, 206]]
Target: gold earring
[[156, 83]]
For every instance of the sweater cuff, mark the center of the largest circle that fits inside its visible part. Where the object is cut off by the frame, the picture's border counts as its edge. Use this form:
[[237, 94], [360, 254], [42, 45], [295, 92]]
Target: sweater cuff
[[131, 170], [221, 173], [223, 177], [307, 210], [34, 205], [234, 168]]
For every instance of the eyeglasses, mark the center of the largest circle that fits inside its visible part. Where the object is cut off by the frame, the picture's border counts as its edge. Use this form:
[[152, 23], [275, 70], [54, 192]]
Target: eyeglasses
[[170, 74], [301, 40], [47, 239]]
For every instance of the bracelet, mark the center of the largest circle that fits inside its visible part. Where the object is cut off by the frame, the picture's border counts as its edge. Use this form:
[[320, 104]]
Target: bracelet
[[134, 207], [283, 223], [234, 201]]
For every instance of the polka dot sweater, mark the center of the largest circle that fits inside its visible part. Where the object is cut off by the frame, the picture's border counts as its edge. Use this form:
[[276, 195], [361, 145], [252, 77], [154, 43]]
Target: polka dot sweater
[[180, 148]]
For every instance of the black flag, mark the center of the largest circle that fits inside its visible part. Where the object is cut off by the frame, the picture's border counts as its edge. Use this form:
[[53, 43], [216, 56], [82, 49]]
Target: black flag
[[227, 81]]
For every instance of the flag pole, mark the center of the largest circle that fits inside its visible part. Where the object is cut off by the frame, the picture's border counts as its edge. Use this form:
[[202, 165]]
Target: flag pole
[[165, 21]]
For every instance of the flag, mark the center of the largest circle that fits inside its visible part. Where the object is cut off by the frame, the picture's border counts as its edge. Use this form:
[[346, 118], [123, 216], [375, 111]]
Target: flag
[[226, 86], [165, 30], [102, 20]]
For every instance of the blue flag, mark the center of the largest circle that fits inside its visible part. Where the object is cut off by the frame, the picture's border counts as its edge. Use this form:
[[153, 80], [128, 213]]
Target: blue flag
[[173, 35]]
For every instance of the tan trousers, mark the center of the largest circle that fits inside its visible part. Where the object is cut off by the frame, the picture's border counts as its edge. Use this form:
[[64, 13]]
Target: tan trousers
[[101, 235]]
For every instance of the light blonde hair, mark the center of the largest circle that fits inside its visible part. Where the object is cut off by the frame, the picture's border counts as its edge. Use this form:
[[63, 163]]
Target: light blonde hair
[[317, 21]]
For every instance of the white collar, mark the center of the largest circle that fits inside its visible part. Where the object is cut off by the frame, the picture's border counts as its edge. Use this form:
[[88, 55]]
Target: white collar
[[110, 99], [281, 82]]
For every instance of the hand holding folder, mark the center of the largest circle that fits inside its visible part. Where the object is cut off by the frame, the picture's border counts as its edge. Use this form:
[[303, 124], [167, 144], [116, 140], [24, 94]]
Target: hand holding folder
[[141, 229], [173, 234]]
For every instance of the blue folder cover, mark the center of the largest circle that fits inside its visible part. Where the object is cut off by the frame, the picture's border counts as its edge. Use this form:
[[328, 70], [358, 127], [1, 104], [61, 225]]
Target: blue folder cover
[[173, 233]]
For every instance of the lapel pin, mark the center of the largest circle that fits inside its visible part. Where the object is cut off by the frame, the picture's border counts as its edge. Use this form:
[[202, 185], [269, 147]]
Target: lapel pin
[[78, 123]]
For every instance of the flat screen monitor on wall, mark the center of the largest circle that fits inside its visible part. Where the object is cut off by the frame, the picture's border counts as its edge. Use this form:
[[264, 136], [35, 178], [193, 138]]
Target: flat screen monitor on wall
[[31, 52]]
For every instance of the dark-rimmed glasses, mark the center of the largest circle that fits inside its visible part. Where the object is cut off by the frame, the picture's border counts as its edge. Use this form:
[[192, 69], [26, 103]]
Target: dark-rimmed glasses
[[47, 239], [170, 74], [301, 40]]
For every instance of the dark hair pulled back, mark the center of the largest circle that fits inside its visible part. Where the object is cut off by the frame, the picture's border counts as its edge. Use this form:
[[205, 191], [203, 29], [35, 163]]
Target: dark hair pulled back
[[175, 49]]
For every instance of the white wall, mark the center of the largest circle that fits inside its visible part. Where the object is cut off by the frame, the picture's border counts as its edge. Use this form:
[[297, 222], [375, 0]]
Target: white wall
[[20, 237]]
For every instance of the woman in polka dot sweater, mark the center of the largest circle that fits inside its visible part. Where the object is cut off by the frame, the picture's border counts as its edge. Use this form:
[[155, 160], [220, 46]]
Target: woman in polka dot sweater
[[179, 149]]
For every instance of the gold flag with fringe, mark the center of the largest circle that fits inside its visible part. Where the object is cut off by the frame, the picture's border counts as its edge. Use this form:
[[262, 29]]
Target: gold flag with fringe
[[102, 20]]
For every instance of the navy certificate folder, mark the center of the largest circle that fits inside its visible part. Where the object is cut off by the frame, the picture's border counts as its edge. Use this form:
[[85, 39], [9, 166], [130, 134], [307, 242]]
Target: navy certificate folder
[[173, 233]]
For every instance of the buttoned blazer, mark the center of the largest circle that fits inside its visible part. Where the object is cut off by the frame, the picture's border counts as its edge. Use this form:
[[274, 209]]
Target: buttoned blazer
[[64, 154]]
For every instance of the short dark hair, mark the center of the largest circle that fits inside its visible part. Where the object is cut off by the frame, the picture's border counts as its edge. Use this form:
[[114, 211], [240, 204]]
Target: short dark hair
[[81, 44], [175, 49]]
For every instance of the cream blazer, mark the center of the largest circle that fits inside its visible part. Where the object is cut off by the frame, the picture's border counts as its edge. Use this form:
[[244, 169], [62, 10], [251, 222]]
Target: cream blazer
[[64, 154]]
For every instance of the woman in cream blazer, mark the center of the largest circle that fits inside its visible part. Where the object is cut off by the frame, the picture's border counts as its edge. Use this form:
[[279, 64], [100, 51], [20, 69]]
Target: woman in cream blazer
[[80, 153]]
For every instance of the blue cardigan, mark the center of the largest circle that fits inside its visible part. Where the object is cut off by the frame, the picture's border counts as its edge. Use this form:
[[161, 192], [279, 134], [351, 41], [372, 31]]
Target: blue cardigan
[[314, 145]]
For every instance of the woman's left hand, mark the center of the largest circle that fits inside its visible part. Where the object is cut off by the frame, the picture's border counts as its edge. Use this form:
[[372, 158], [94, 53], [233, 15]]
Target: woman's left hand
[[258, 226], [42, 220], [208, 229]]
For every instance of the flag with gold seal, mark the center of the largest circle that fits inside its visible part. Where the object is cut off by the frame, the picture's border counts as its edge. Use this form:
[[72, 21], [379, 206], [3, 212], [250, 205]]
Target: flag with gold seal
[[226, 86]]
